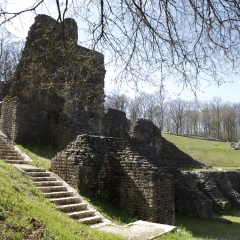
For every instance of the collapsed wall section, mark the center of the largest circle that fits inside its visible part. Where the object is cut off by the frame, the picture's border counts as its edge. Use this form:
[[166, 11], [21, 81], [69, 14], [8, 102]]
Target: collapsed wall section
[[198, 194], [111, 171]]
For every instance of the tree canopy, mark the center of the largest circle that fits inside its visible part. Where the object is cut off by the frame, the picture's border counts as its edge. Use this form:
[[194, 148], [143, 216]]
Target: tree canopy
[[148, 39]]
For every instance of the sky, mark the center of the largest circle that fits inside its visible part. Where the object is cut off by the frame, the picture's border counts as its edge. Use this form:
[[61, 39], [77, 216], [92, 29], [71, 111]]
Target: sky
[[228, 92]]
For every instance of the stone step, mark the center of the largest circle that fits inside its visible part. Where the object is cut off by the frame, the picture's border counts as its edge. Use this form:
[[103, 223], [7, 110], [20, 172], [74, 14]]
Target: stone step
[[6, 148], [38, 174], [53, 189], [39, 179], [8, 153], [10, 157], [90, 220], [72, 207], [65, 200], [16, 161], [81, 214], [34, 170], [58, 194], [48, 183]]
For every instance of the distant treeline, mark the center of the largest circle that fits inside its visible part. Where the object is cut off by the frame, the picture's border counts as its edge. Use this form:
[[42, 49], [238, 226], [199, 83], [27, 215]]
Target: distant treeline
[[211, 119]]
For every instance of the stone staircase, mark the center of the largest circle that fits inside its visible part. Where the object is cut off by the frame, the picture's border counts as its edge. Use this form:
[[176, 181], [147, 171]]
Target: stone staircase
[[58, 193], [56, 190], [8, 152]]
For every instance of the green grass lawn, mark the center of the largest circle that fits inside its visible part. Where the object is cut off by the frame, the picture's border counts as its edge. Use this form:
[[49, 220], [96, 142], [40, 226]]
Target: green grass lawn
[[211, 153]]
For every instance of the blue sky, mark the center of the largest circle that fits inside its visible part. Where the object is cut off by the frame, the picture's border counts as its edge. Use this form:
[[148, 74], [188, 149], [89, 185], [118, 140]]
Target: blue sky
[[228, 92]]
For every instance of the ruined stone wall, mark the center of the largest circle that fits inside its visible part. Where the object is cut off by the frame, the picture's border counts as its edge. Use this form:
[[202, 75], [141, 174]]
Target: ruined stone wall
[[116, 124], [56, 75], [8, 118], [110, 170], [146, 138], [199, 194], [21, 123]]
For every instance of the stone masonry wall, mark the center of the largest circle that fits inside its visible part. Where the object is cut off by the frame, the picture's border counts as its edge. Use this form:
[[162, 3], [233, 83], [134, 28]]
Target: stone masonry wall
[[55, 75], [110, 170], [199, 194], [8, 118], [21, 123]]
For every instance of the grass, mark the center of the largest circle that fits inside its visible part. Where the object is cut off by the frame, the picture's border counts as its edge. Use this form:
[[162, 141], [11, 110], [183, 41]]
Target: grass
[[40, 154], [193, 228], [211, 153], [26, 214], [111, 212]]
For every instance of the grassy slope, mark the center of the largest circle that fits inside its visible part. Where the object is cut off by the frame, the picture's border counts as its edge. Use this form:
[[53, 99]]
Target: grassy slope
[[26, 214], [213, 153]]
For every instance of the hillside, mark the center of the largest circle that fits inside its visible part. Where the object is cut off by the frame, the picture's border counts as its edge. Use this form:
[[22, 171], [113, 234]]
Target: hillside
[[211, 153], [26, 214]]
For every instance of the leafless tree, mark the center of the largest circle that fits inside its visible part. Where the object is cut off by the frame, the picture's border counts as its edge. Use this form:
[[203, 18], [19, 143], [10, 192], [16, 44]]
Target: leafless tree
[[193, 118], [135, 109], [10, 53], [178, 110], [216, 105], [116, 100], [188, 38], [229, 121]]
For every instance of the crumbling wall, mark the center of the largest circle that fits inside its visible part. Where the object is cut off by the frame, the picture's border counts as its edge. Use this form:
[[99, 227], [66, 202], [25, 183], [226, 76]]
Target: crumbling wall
[[55, 75], [116, 124], [201, 193], [146, 138], [110, 170]]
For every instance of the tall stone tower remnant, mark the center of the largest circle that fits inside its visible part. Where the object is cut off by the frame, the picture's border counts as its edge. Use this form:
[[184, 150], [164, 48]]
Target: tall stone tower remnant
[[58, 88]]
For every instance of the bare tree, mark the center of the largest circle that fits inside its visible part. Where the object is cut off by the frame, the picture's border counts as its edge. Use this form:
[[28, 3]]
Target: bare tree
[[135, 109], [188, 38], [193, 118], [229, 117], [178, 110], [116, 100], [10, 53], [216, 105]]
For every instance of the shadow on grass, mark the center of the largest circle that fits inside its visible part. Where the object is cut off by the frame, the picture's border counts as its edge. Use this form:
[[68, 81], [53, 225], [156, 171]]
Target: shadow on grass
[[111, 212], [211, 228], [41, 150]]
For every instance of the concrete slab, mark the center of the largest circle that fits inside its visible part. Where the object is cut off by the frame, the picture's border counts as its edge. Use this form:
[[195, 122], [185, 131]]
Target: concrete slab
[[139, 230]]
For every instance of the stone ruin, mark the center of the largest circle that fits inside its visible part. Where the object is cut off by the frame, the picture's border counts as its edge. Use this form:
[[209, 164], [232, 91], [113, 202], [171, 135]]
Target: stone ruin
[[57, 97], [58, 88]]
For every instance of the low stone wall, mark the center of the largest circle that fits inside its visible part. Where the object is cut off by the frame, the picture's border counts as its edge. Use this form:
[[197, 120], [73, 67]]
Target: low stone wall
[[110, 170]]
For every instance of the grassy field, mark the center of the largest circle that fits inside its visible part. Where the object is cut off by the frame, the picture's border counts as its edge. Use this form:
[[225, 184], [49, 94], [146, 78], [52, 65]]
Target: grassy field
[[211, 153], [25, 212]]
